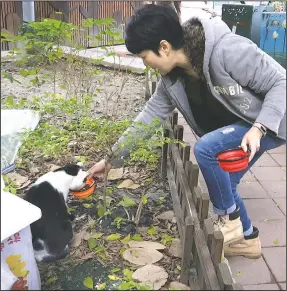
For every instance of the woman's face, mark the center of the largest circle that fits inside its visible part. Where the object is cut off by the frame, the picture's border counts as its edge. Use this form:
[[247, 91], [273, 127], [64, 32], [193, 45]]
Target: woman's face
[[164, 62]]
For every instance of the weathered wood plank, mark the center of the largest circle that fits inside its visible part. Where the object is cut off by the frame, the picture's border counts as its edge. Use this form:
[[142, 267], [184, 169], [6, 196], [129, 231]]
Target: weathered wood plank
[[224, 276], [208, 231], [203, 207], [164, 153], [186, 250], [216, 247]]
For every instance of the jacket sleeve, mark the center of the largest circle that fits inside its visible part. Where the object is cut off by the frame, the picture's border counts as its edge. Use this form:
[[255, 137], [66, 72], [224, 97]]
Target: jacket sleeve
[[158, 106], [253, 68]]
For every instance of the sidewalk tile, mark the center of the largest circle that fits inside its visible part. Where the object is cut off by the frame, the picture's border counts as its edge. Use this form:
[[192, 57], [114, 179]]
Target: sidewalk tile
[[281, 203], [276, 261], [272, 233], [269, 173], [249, 271], [251, 190], [261, 287], [248, 177], [275, 189], [262, 209], [279, 150], [283, 286], [265, 161], [280, 159]]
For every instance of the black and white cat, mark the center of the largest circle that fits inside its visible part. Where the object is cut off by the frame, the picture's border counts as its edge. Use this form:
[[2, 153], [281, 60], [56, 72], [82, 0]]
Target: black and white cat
[[53, 232]]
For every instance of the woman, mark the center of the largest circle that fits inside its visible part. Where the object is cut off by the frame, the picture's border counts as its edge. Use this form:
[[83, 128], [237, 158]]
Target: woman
[[230, 93]]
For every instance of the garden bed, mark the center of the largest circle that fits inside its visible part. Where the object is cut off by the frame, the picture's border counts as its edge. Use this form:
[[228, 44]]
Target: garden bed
[[83, 128]]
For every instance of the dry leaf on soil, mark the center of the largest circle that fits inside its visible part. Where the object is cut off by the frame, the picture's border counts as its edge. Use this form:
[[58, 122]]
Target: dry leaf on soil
[[146, 244], [175, 248], [116, 174], [141, 256], [152, 275], [128, 184], [17, 179], [167, 215], [178, 286], [54, 167]]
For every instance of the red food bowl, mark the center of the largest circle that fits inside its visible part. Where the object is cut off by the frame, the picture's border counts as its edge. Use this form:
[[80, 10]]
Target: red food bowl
[[88, 189], [233, 160]]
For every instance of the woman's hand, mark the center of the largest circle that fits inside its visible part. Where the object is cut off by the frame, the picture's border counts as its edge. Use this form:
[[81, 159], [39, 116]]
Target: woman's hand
[[99, 169], [252, 140]]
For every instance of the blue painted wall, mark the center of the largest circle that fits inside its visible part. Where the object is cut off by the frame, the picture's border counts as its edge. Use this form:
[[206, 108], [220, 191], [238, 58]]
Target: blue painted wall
[[273, 35]]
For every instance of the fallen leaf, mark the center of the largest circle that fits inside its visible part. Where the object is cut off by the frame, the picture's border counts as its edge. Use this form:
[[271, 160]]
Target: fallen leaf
[[34, 170], [178, 267], [101, 286], [116, 174], [113, 237], [126, 239], [88, 205], [127, 202], [92, 242], [89, 282], [141, 256], [51, 280], [152, 275], [265, 220], [24, 185], [238, 274], [54, 167], [17, 179], [128, 184], [167, 215], [137, 237], [115, 270], [247, 182], [276, 241], [113, 277], [178, 286], [77, 239], [146, 244], [175, 248]]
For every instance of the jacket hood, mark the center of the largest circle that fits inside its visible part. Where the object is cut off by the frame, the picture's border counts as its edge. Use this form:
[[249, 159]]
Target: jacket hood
[[213, 28]]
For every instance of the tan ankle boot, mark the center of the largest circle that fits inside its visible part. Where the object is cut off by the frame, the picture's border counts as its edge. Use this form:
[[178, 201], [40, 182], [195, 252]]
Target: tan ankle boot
[[231, 227], [249, 247]]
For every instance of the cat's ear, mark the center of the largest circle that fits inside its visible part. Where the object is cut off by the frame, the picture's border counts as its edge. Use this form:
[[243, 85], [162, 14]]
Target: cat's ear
[[80, 164]]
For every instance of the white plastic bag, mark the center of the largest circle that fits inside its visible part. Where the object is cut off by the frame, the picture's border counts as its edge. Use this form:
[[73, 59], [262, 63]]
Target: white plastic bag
[[17, 256], [13, 122]]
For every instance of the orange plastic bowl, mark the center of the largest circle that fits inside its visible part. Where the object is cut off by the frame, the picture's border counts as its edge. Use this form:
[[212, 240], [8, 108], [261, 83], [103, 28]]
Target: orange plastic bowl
[[233, 160], [86, 192]]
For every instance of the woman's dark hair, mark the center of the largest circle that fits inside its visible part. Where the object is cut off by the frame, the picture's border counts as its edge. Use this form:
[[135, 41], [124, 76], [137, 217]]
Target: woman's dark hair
[[150, 25]]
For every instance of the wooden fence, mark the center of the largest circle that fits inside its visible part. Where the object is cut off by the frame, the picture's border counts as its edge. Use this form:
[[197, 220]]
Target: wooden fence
[[201, 246], [72, 11]]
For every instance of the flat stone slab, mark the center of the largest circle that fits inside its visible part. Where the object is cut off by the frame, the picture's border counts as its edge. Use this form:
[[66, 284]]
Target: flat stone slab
[[281, 203], [275, 189], [261, 287], [272, 233], [248, 177], [263, 209], [283, 286], [279, 150], [280, 159], [250, 271], [251, 190], [276, 261], [269, 173], [266, 161]]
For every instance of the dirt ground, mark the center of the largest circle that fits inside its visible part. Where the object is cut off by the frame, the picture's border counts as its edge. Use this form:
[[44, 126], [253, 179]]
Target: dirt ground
[[90, 227]]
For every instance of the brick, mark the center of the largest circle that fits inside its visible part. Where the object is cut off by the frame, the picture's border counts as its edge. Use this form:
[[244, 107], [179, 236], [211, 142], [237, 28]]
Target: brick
[[276, 260], [262, 209], [275, 189], [261, 287], [280, 159], [269, 173], [281, 203], [250, 271], [272, 233], [265, 161], [253, 189], [279, 150], [282, 286]]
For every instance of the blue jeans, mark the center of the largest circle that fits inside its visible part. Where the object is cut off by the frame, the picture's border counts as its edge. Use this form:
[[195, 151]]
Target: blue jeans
[[222, 186]]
